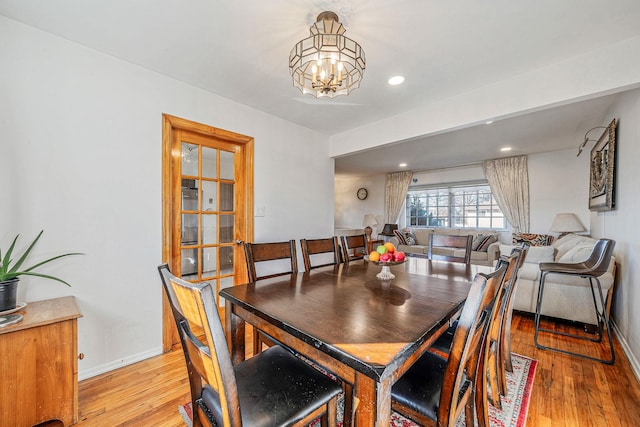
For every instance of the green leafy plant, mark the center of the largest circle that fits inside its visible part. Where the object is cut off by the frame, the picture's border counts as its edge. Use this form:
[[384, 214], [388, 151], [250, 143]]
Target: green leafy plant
[[10, 271]]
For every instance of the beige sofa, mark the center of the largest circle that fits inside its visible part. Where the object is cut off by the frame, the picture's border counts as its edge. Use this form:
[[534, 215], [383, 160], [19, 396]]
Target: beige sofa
[[478, 257], [565, 297]]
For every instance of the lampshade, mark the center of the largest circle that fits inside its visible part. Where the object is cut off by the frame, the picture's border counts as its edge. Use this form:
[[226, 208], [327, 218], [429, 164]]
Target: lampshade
[[327, 63], [369, 220], [566, 223]]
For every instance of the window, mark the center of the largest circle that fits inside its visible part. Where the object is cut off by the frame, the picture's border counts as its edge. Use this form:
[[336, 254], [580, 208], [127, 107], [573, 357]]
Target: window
[[454, 206]]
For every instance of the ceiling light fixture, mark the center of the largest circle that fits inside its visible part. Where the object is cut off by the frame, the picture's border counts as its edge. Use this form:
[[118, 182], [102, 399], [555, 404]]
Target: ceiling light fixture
[[402, 165], [505, 149], [396, 80], [586, 139], [327, 63]]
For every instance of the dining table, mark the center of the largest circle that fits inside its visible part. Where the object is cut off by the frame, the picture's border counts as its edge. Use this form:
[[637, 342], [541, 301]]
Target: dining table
[[363, 330]]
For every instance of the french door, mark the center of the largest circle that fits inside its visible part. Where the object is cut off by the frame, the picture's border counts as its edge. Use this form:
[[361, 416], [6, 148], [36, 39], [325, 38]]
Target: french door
[[207, 207]]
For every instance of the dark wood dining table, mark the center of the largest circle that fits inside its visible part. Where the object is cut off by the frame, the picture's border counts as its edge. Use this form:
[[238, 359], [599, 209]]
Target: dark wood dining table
[[366, 331]]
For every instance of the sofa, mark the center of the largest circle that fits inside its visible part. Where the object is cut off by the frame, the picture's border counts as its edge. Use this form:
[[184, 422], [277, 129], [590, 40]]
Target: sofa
[[485, 246], [565, 297]]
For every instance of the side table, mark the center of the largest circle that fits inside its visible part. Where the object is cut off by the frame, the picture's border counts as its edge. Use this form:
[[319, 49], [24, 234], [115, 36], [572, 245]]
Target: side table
[[39, 365]]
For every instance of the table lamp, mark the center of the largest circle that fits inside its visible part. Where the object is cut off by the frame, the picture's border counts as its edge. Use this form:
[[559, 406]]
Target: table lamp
[[565, 223], [369, 221]]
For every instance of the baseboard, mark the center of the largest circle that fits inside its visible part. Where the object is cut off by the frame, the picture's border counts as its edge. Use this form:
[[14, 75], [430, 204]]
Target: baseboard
[[107, 367], [633, 361]]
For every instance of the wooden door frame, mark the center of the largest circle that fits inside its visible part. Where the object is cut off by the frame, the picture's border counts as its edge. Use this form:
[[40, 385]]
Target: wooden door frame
[[170, 125]]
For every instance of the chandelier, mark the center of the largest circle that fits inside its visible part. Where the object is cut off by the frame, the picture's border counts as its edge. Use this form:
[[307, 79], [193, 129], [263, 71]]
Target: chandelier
[[327, 63]]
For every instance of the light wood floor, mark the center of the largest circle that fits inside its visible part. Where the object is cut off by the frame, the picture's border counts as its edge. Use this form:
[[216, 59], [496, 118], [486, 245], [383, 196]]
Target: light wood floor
[[567, 391]]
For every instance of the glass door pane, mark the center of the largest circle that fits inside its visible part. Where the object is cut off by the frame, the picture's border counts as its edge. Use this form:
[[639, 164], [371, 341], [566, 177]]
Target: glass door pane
[[207, 213]]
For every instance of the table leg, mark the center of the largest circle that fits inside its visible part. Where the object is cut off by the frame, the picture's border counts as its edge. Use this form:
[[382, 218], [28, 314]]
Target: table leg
[[372, 401], [234, 328]]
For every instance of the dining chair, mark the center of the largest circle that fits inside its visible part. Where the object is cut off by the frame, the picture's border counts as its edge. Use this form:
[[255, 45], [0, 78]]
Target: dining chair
[[490, 364], [272, 388], [275, 259], [320, 247], [505, 328], [270, 256], [494, 358], [353, 247], [460, 244], [592, 268], [435, 391]]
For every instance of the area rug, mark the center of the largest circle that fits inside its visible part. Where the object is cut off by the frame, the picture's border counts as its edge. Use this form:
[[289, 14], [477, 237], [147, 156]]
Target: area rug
[[514, 406]]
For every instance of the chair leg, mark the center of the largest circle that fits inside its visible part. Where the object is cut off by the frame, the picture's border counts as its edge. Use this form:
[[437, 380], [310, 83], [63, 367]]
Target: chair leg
[[601, 318], [333, 412], [480, 393], [505, 343], [257, 343], [492, 373], [469, 412], [500, 368], [347, 389]]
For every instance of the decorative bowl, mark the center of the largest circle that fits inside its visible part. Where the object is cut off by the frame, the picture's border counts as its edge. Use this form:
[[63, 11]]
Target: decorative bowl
[[385, 273]]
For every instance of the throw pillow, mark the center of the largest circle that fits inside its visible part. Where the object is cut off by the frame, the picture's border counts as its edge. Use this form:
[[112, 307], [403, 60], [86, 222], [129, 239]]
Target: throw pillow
[[578, 253], [401, 237], [477, 239], [410, 238], [532, 239], [486, 242]]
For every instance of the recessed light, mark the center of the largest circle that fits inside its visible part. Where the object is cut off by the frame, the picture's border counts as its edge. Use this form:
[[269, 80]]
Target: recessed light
[[402, 165], [396, 80], [505, 149], [488, 122]]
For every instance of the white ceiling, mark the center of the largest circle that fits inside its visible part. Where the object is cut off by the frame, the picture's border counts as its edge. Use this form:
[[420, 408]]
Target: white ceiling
[[239, 50]]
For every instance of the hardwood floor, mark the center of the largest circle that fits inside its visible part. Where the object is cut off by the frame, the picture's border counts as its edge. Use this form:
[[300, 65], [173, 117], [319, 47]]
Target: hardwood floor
[[567, 391]]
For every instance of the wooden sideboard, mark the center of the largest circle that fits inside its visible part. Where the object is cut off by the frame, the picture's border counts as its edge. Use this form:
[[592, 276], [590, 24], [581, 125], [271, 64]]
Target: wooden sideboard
[[39, 365]]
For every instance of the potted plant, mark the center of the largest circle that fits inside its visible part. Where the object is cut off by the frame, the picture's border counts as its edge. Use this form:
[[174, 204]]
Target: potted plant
[[10, 272]]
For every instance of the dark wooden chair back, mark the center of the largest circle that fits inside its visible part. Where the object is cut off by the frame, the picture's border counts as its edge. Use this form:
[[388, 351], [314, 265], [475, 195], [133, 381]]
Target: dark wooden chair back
[[465, 349], [490, 360], [353, 247], [448, 241], [312, 247], [504, 360], [206, 364], [264, 252]]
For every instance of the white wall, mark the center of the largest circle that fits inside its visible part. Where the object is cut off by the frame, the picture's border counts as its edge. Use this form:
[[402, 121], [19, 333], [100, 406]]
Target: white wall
[[621, 224], [558, 183], [349, 210], [81, 151]]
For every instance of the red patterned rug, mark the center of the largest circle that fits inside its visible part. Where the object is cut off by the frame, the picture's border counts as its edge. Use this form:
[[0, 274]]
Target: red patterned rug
[[514, 406]]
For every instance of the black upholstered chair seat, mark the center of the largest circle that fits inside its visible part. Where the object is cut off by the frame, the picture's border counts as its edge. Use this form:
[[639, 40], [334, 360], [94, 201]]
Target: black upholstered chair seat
[[266, 381], [419, 388]]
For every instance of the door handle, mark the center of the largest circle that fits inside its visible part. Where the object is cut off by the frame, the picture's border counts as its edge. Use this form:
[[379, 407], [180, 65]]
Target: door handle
[[239, 242]]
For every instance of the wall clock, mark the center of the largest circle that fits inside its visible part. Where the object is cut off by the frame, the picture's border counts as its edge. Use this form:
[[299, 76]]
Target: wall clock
[[362, 193]]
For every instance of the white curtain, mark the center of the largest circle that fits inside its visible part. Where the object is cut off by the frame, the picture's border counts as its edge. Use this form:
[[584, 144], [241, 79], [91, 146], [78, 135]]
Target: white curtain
[[509, 182], [395, 192]]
